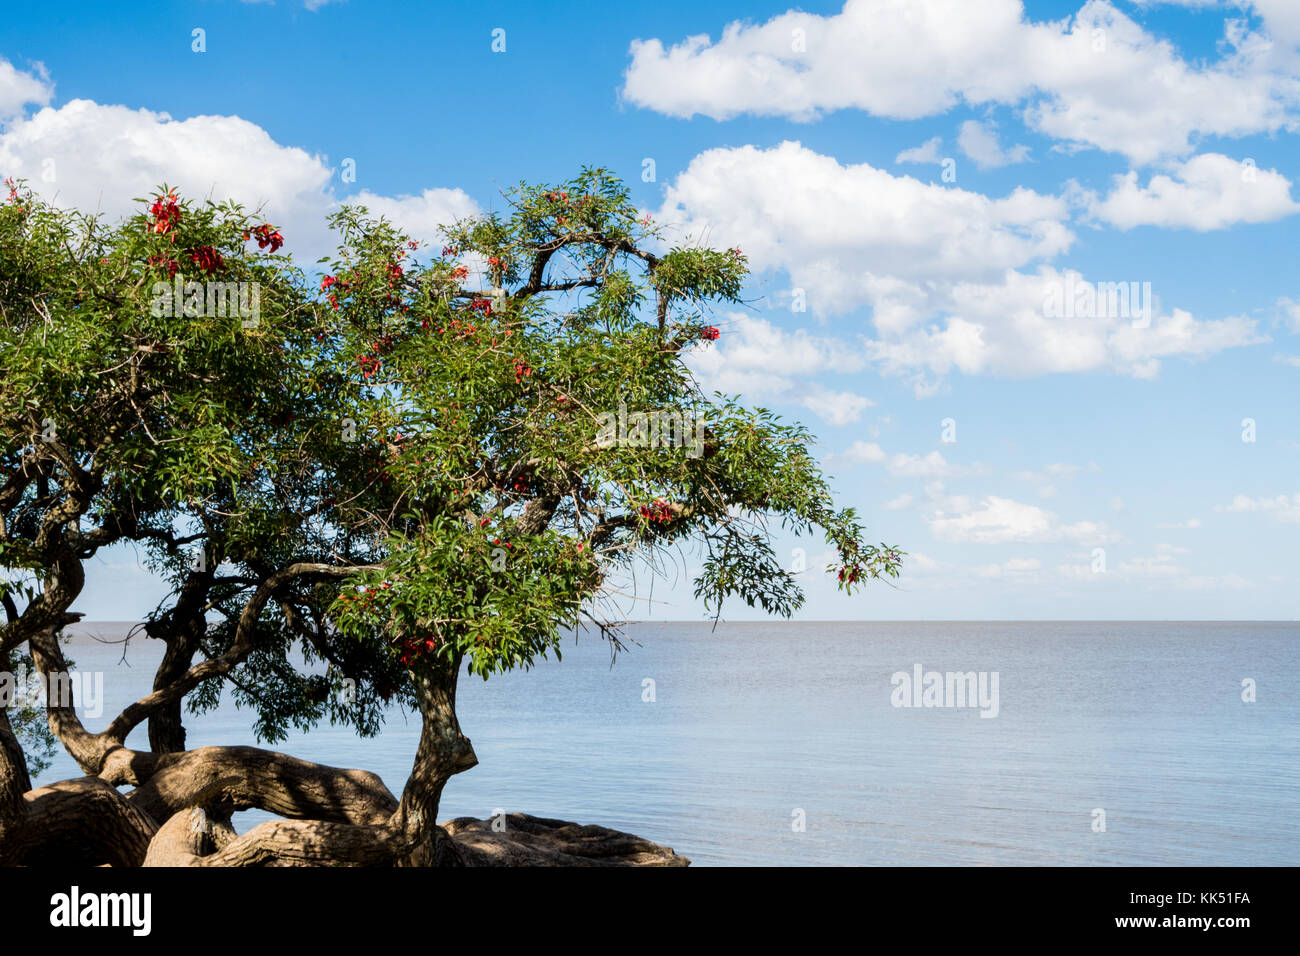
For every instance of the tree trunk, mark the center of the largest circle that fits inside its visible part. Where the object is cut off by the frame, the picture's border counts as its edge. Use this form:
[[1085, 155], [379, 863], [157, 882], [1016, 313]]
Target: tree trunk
[[443, 752], [166, 729], [181, 629], [14, 780]]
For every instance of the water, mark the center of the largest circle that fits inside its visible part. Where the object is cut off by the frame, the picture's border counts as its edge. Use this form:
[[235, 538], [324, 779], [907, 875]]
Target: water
[[754, 722]]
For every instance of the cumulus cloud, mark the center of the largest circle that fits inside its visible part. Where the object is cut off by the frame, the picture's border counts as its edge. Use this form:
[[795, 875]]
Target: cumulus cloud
[[899, 464], [927, 152], [98, 158], [1002, 520], [1283, 507], [763, 362], [19, 89], [1073, 79], [940, 267], [1006, 328], [979, 141], [1012, 569], [844, 233], [1210, 191]]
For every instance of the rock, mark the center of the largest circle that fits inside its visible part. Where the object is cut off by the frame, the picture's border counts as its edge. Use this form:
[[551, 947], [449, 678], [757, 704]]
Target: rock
[[536, 841]]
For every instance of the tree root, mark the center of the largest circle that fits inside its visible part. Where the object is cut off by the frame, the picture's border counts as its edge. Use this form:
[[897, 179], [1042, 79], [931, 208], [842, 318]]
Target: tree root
[[243, 778], [78, 822]]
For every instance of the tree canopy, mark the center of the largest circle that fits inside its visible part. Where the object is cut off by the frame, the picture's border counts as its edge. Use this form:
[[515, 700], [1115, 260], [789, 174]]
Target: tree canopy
[[360, 481]]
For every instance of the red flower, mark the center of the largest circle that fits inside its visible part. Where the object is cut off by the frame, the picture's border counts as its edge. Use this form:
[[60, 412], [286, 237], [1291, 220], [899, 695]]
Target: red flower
[[267, 235], [169, 264], [207, 259], [460, 272], [710, 332], [494, 261], [164, 210], [660, 511], [326, 282]]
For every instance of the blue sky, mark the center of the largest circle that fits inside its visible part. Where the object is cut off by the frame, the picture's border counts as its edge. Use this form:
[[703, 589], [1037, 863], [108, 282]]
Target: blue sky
[[1150, 142]]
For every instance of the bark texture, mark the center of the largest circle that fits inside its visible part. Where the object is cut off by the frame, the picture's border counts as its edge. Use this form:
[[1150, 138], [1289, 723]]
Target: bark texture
[[522, 840]]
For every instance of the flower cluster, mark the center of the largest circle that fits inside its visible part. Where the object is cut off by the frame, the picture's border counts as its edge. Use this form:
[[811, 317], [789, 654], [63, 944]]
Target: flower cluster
[[266, 235], [710, 332], [165, 262], [457, 327], [522, 370], [414, 648], [165, 212], [206, 258], [659, 511], [850, 573]]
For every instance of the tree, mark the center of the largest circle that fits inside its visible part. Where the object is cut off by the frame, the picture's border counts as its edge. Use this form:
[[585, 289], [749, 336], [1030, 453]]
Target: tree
[[399, 473]]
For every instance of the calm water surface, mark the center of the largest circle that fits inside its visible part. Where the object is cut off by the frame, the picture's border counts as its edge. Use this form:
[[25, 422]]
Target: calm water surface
[[752, 723]]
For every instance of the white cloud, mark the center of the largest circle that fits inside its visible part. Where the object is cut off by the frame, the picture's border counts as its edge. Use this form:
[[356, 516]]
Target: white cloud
[[104, 156], [420, 215], [932, 465], [847, 234], [899, 464], [1055, 470], [19, 89], [979, 141], [938, 265], [834, 407], [1283, 507], [917, 563], [1291, 313], [763, 362], [1004, 328], [1001, 520], [1073, 78], [927, 152], [1014, 568], [1191, 524], [1210, 191]]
